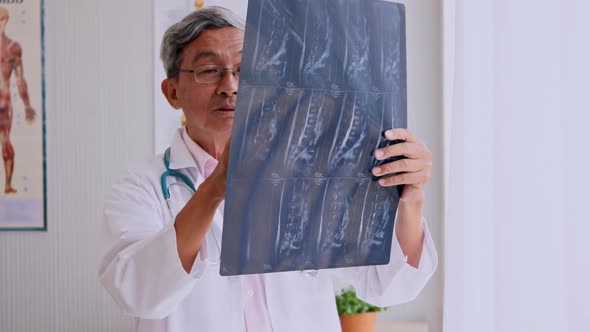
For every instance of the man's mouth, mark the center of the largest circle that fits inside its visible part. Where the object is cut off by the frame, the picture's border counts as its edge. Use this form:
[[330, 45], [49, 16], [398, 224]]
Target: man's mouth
[[225, 111]]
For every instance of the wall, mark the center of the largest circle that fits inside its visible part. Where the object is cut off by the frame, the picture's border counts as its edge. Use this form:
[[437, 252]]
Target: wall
[[424, 53], [100, 118]]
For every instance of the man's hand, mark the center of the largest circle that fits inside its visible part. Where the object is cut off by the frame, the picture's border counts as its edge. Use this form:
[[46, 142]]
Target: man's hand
[[193, 221], [215, 183], [30, 114], [414, 171]]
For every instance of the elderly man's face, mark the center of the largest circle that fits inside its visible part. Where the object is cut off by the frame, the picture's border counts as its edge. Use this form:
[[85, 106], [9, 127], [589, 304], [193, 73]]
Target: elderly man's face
[[209, 108]]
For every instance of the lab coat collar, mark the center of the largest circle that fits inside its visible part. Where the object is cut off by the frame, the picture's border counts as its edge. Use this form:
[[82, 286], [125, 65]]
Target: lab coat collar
[[180, 156]]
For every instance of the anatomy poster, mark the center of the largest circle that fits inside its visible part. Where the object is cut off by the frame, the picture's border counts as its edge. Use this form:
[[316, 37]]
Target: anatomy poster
[[166, 13], [321, 80], [22, 188]]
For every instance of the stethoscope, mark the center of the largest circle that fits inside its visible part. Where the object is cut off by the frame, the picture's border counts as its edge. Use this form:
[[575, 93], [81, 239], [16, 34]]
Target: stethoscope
[[173, 173], [187, 181]]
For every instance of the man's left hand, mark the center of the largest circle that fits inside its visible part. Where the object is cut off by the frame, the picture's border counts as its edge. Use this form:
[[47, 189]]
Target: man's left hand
[[413, 171]]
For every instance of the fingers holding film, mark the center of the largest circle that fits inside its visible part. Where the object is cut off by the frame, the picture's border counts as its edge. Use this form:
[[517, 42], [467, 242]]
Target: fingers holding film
[[410, 150], [399, 166], [416, 179], [401, 134]]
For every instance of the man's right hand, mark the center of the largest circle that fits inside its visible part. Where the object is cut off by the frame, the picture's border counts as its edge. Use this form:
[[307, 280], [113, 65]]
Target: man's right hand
[[215, 183], [194, 220]]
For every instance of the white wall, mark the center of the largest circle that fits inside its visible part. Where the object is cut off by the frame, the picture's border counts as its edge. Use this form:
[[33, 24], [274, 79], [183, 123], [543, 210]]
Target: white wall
[[99, 118]]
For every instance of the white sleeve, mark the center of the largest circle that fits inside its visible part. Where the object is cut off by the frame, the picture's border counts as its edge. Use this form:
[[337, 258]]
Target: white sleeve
[[141, 268], [394, 283]]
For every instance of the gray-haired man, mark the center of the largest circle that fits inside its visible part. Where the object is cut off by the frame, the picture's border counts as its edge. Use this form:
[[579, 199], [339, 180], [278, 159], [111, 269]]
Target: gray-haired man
[[162, 257]]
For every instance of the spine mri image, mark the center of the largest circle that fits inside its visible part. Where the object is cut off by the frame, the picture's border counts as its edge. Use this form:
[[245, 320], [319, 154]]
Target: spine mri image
[[320, 82]]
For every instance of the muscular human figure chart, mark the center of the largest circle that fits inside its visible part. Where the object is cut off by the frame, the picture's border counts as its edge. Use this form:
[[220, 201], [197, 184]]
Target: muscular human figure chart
[[10, 61]]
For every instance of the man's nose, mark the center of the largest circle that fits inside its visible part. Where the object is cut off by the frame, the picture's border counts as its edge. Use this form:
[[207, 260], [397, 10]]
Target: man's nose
[[229, 84]]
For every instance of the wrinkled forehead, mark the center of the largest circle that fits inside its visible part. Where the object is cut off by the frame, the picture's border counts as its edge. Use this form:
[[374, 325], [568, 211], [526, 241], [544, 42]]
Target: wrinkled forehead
[[215, 44]]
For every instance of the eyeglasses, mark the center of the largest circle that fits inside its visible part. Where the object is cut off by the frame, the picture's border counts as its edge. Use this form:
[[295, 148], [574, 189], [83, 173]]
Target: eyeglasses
[[211, 74]]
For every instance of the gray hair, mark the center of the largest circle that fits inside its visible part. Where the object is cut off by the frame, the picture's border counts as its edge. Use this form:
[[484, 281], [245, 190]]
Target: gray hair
[[190, 28]]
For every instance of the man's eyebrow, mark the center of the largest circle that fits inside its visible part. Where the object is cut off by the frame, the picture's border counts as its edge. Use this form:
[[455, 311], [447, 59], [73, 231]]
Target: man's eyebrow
[[204, 54]]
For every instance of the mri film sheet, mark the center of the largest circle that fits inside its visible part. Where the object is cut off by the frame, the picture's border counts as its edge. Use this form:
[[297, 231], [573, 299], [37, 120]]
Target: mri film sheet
[[321, 80]]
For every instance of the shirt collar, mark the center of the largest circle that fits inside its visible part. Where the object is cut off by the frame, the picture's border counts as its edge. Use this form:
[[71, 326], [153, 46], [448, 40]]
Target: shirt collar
[[180, 156], [186, 153], [199, 155]]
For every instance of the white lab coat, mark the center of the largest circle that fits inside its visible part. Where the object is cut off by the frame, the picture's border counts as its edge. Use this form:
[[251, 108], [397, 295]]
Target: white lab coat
[[141, 269]]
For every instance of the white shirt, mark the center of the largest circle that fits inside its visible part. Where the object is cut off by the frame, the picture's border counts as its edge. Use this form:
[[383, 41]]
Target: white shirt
[[142, 271]]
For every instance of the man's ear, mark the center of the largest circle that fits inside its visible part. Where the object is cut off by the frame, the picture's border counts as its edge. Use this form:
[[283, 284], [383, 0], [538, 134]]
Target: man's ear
[[170, 91]]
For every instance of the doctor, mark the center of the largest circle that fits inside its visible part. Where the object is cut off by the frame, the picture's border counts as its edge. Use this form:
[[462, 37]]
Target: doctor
[[161, 257]]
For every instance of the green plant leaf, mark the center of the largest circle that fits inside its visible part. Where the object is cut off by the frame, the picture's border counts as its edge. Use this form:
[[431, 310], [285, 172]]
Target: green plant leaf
[[348, 303]]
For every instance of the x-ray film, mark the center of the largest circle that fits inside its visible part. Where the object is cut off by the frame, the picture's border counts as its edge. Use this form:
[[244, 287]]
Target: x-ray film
[[321, 80]]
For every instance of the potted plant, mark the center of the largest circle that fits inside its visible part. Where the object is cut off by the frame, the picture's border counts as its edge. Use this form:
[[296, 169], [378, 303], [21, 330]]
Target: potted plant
[[355, 314]]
